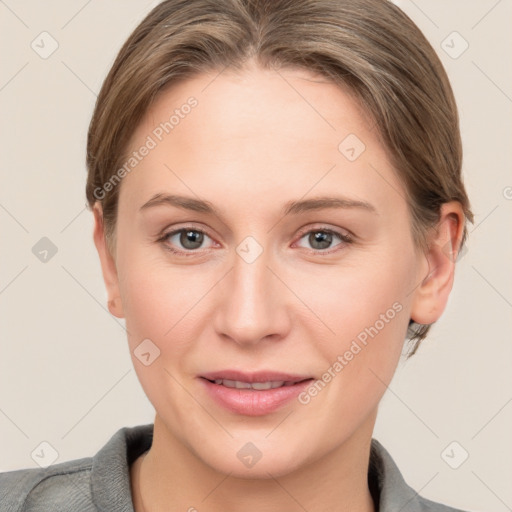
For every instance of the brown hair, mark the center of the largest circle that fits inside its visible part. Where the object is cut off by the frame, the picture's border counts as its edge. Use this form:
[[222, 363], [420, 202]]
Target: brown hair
[[369, 46]]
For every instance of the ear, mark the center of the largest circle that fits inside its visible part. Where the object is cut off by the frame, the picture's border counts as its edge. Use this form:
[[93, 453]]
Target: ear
[[431, 296], [108, 265]]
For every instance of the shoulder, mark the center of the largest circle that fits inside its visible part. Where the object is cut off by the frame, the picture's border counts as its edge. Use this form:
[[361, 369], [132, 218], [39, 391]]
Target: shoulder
[[58, 487], [426, 505], [101, 482], [392, 491]]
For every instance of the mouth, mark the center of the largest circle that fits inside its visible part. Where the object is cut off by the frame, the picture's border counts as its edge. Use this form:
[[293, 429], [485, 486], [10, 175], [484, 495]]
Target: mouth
[[253, 394], [257, 386]]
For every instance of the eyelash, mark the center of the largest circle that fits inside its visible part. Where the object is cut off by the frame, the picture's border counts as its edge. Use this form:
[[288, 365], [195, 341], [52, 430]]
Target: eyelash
[[345, 239]]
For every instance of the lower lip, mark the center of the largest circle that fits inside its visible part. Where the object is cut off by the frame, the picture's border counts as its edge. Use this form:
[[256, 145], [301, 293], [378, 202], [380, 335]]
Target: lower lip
[[252, 402]]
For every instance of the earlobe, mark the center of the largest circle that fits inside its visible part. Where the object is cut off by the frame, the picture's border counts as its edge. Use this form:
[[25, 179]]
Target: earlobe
[[431, 296], [108, 264]]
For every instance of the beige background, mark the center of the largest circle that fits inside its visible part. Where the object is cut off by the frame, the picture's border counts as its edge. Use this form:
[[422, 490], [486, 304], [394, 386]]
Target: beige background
[[65, 372]]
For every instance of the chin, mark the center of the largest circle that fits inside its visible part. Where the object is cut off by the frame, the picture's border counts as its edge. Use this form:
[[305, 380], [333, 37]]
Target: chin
[[257, 459], [274, 466]]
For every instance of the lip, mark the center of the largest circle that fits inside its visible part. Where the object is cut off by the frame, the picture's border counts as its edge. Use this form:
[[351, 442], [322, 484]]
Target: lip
[[261, 376], [251, 402]]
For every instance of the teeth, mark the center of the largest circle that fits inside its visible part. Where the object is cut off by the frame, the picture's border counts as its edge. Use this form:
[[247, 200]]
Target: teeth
[[262, 385], [252, 385]]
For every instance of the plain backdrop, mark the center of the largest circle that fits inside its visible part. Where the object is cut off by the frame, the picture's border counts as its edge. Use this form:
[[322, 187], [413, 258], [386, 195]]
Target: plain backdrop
[[66, 377]]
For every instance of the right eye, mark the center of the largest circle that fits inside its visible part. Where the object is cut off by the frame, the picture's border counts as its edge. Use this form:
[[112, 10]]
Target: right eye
[[188, 240]]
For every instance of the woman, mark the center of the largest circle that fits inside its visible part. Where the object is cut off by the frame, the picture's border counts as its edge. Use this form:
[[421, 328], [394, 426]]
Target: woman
[[278, 205]]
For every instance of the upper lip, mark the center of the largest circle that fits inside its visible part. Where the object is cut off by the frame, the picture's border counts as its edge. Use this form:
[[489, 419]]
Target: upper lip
[[261, 376]]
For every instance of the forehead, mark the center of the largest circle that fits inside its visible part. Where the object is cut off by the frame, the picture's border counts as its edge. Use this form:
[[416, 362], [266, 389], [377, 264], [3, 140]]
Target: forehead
[[263, 130], [253, 103]]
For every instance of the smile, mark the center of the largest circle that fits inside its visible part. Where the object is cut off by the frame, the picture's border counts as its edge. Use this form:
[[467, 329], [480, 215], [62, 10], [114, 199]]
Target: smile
[[253, 385], [253, 394]]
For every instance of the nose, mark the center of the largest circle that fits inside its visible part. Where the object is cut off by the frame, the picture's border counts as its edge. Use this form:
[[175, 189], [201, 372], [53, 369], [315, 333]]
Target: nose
[[254, 304]]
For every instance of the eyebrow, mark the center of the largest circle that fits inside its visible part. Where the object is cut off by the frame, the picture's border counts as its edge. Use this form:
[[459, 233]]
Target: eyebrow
[[291, 207]]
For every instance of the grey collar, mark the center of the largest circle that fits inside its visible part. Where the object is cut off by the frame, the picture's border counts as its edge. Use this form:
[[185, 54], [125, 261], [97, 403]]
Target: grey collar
[[110, 477]]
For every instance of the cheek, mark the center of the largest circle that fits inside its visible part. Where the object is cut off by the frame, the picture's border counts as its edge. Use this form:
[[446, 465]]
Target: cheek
[[161, 302], [367, 309], [350, 299]]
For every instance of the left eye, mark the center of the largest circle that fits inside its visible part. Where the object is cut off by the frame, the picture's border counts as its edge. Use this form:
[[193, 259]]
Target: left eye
[[321, 239]]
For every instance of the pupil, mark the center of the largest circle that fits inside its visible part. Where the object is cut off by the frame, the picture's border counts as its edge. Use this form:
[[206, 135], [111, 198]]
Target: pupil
[[323, 238], [191, 237]]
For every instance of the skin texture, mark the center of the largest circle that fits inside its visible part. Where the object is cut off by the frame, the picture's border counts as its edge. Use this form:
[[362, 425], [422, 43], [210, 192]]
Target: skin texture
[[255, 141]]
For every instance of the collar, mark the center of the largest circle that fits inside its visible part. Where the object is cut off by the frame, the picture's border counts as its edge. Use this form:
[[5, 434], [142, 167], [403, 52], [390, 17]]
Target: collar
[[110, 477]]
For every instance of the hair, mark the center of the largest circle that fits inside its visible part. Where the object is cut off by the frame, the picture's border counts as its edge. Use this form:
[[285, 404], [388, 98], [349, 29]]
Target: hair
[[369, 47]]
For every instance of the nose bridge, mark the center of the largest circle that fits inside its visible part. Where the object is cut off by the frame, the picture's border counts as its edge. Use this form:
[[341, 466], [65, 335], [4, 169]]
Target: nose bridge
[[252, 306]]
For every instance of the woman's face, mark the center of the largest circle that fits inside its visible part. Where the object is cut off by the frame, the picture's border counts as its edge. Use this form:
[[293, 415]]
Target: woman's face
[[264, 276]]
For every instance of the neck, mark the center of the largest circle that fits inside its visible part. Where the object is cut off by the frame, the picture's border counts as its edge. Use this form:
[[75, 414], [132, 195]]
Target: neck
[[173, 478]]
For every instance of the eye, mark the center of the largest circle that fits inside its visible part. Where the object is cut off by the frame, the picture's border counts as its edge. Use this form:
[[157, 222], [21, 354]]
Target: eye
[[322, 238], [187, 239]]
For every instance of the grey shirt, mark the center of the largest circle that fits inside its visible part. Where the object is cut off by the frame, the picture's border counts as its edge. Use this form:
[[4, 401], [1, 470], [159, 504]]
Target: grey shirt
[[102, 483]]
